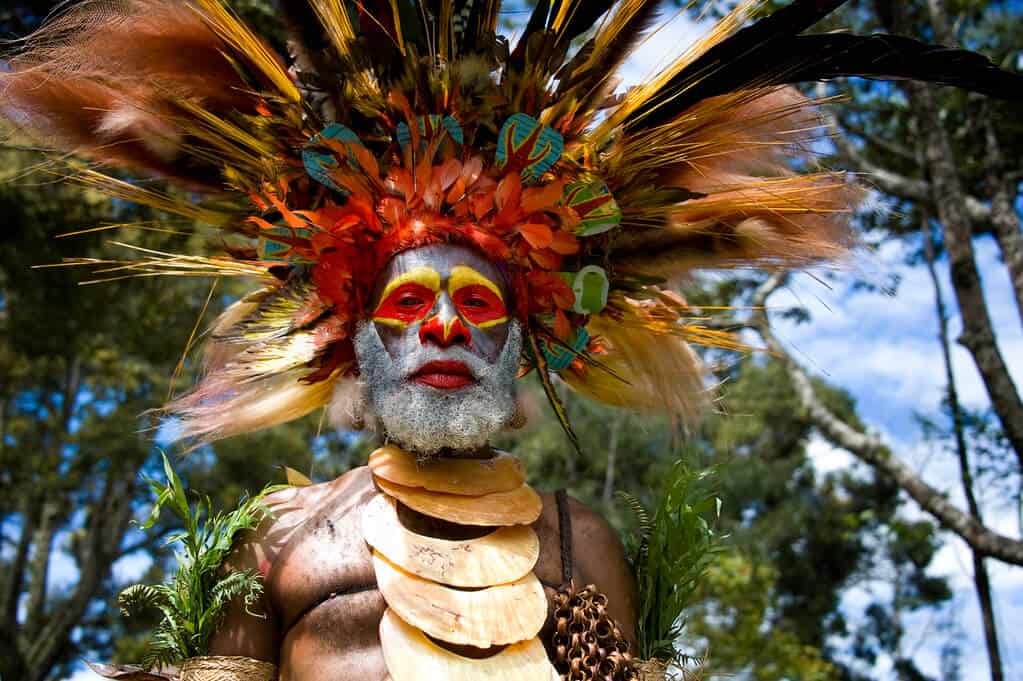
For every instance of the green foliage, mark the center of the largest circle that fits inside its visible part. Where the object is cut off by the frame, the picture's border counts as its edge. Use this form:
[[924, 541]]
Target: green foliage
[[193, 603], [734, 615], [670, 555]]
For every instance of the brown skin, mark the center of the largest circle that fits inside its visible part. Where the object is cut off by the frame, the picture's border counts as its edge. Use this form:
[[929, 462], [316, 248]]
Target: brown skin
[[320, 613], [321, 609]]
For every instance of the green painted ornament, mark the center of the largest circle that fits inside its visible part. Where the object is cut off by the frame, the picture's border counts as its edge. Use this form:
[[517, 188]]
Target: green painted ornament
[[429, 126], [318, 163], [277, 245], [591, 286], [597, 209], [527, 145]]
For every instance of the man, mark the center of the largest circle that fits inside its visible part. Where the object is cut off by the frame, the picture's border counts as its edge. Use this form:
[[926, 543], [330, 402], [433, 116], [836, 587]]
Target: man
[[441, 376], [431, 212]]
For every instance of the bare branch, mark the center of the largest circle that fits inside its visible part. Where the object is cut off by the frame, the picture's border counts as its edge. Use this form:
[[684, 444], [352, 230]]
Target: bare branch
[[876, 141], [870, 449], [1004, 217], [899, 186], [15, 575], [39, 567], [105, 526]]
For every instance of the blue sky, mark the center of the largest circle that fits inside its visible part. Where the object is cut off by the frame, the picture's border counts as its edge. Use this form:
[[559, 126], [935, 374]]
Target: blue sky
[[883, 350]]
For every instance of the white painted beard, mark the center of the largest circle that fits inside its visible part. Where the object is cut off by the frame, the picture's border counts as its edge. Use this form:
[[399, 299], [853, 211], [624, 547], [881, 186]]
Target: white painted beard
[[426, 420]]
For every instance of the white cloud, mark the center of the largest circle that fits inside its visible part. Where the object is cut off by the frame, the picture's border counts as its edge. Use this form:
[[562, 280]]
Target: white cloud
[[884, 350]]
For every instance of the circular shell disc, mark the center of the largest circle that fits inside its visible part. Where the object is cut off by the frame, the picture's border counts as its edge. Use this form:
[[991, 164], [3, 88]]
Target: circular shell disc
[[469, 477], [503, 556], [521, 506], [496, 615], [411, 656]]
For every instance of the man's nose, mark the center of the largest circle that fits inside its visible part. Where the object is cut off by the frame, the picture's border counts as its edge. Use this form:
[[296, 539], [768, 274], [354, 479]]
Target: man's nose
[[445, 328]]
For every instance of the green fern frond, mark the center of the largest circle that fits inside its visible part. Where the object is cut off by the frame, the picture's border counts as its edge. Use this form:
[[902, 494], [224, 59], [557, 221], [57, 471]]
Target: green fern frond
[[195, 600], [642, 516], [139, 597], [676, 546]]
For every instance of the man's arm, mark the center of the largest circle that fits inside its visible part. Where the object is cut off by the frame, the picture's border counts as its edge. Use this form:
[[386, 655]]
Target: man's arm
[[600, 559], [253, 630]]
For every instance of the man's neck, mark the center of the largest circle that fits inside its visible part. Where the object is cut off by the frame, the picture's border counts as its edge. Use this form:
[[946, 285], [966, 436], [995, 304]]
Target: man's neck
[[484, 452]]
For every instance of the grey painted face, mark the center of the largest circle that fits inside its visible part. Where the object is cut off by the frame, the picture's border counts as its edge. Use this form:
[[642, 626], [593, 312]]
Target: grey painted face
[[441, 354], [464, 311]]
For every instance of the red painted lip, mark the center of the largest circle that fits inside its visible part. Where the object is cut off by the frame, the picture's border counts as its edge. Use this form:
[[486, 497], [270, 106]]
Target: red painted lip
[[444, 375]]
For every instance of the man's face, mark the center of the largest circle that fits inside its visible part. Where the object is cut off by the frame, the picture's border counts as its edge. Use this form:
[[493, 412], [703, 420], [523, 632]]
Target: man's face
[[441, 351]]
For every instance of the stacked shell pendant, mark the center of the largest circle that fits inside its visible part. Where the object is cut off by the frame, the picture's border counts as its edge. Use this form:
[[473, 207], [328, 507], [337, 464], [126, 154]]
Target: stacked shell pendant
[[459, 609]]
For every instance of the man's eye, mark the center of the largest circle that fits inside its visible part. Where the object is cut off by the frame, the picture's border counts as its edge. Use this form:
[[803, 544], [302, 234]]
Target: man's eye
[[475, 302], [410, 301]]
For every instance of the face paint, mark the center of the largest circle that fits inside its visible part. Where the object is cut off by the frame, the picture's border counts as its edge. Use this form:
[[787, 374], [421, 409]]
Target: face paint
[[408, 298], [445, 296], [477, 298], [441, 353]]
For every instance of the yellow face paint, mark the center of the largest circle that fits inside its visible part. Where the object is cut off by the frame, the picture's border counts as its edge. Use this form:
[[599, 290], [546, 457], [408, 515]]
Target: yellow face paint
[[408, 297], [463, 275], [424, 276], [478, 299]]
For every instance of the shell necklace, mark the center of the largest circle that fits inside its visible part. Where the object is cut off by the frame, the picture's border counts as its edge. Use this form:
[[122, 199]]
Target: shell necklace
[[472, 594]]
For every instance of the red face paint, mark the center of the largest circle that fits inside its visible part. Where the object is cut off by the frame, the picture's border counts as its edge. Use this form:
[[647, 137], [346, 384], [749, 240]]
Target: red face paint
[[480, 306], [407, 304]]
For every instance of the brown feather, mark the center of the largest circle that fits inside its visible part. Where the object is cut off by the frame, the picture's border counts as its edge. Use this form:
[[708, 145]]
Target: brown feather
[[734, 152], [103, 80], [660, 371]]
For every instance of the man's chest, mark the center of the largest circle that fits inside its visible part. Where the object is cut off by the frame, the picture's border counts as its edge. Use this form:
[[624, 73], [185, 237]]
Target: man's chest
[[324, 591]]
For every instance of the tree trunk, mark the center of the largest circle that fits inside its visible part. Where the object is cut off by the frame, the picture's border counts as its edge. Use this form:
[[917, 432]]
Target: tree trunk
[[12, 658], [870, 449], [612, 456], [981, 581], [39, 568], [1004, 218], [977, 336], [108, 520]]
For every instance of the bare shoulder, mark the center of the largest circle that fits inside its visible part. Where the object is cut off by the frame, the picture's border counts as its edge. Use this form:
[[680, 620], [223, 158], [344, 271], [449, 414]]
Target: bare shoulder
[[290, 509], [600, 560], [253, 629]]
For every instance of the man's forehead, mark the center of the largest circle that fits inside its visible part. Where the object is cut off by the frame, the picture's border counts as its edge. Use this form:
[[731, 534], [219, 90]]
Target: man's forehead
[[442, 258]]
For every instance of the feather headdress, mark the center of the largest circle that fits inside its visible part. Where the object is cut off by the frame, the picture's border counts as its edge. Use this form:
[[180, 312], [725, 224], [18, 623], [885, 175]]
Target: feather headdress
[[409, 122]]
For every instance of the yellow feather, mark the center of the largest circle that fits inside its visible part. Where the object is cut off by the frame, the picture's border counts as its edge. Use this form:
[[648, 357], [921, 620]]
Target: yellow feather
[[236, 34], [250, 407], [119, 189], [639, 95], [660, 370]]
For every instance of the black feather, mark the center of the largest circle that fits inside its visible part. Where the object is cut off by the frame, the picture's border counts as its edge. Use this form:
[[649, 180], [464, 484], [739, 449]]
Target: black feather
[[771, 53], [583, 17], [889, 57], [537, 22], [744, 52], [615, 52], [802, 59]]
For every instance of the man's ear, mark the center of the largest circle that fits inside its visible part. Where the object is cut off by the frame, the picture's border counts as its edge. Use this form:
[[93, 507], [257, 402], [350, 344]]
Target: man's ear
[[518, 419], [349, 406]]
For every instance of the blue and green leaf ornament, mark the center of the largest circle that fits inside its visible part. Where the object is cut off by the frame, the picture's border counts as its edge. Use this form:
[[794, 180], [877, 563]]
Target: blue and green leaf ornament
[[429, 126], [527, 145], [277, 245], [597, 209], [560, 358], [318, 164]]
